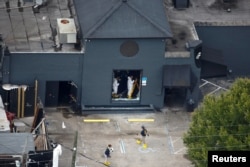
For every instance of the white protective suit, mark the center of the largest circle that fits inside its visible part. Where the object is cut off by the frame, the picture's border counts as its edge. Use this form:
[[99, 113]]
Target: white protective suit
[[130, 86], [115, 86], [56, 153]]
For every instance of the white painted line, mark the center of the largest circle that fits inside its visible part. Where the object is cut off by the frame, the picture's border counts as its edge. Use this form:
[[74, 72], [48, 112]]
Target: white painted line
[[170, 144], [176, 139], [117, 127], [214, 91], [143, 150], [203, 84], [182, 149], [214, 84], [122, 147]]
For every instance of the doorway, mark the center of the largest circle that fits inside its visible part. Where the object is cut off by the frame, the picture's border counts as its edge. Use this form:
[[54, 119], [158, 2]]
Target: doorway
[[175, 97], [60, 93]]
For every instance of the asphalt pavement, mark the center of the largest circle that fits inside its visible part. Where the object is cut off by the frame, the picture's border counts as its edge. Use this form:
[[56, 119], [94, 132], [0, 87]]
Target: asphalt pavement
[[85, 137], [96, 131]]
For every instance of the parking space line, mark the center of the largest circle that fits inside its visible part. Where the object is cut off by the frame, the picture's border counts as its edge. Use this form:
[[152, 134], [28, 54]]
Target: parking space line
[[96, 120], [140, 120], [173, 141], [180, 150], [171, 144], [117, 127], [122, 147], [169, 140]]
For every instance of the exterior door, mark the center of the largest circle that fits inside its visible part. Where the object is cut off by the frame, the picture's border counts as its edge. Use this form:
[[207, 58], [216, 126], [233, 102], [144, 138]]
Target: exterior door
[[52, 92]]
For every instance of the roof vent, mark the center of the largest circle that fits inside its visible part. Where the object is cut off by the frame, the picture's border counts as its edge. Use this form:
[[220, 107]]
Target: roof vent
[[66, 30]]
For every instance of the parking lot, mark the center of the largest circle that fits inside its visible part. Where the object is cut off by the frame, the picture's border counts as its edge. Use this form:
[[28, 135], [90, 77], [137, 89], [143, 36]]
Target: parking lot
[[96, 131]]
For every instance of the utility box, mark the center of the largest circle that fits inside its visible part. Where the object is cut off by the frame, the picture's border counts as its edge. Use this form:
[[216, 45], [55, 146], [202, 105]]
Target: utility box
[[66, 30], [181, 4]]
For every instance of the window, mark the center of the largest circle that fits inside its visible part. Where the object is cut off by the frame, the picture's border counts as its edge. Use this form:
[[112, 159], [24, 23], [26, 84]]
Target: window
[[126, 85]]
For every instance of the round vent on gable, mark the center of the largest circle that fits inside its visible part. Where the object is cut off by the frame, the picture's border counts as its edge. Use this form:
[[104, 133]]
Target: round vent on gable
[[129, 48]]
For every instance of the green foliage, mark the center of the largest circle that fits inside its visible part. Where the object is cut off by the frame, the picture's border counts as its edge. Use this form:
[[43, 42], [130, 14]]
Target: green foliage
[[220, 123]]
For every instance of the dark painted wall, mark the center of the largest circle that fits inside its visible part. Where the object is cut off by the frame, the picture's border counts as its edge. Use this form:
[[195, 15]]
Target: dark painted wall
[[233, 41], [92, 72], [103, 56], [193, 93], [27, 67]]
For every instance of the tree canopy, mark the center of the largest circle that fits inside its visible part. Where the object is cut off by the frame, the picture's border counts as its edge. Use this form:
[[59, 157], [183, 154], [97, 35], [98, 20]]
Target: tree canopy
[[220, 123]]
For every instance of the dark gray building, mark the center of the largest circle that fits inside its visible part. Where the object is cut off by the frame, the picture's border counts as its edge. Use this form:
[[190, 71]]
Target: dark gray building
[[101, 54], [225, 49]]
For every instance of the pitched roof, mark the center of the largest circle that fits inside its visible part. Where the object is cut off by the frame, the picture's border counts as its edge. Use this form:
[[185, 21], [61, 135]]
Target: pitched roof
[[122, 19]]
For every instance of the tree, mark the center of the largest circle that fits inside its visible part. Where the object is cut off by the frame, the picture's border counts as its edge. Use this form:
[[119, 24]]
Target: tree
[[220, 123]]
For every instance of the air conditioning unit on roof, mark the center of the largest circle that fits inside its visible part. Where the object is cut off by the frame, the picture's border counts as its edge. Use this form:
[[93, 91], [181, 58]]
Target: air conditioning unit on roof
[[66, 30]]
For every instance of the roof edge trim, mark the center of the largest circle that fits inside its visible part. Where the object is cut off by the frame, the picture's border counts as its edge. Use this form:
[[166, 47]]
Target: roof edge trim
[[103, 19], [168, 33]]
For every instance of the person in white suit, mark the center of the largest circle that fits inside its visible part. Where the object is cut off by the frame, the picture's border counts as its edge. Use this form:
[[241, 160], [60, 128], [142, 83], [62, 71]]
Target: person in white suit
[[130, 83], [57, 151], [115, 86]]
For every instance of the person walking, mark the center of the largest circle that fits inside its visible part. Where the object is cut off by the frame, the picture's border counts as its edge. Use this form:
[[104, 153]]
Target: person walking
[[144, 133], [107, 154]]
